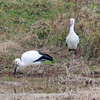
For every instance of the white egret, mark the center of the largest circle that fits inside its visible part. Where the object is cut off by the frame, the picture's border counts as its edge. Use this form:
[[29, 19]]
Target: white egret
[[72, 40], [31, 58]]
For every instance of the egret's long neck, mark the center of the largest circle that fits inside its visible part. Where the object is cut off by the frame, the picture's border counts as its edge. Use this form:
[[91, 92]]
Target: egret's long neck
[[71, 31], [21, 64]]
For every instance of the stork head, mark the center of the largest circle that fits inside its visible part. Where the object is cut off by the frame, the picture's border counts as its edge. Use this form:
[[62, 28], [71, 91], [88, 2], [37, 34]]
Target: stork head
[[72, 21], [17, 62]]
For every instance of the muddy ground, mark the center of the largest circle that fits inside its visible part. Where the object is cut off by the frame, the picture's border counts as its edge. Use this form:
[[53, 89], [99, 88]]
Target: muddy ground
[[57, 82]]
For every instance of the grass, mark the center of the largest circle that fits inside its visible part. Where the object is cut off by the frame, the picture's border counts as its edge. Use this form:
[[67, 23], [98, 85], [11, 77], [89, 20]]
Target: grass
[[43, 25]]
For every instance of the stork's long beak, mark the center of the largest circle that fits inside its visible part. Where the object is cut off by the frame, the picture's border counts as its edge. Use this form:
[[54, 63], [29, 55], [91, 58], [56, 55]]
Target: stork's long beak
[[15, 69], [70, 25]]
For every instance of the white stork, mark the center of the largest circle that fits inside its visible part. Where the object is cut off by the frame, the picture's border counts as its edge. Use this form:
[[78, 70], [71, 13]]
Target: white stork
[[31, 58], [72, 40]]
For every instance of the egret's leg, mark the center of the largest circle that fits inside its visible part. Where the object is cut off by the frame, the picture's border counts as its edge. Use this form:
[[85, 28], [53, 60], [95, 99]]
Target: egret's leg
[[73, 58], [70, 69], [31, 69], [68, 73], [68, 66], [46, 76], [45, 70], [44, 67]]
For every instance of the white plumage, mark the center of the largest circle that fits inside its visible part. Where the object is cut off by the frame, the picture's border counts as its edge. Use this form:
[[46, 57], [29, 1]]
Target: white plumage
[[72, 40], [31, 58]]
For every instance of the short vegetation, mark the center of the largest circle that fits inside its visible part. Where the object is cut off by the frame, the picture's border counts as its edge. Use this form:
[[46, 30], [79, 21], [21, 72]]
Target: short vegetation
[[44, 25]]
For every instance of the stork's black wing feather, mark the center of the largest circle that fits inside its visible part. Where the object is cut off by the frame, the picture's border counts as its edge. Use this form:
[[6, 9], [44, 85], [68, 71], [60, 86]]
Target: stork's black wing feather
[[44, 57]]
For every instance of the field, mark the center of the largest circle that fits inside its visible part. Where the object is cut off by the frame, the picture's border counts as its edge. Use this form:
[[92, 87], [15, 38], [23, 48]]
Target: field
[[43, 25]]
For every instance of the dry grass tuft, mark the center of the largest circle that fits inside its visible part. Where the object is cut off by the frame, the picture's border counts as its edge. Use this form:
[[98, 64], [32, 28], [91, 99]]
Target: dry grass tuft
[[10, 46]]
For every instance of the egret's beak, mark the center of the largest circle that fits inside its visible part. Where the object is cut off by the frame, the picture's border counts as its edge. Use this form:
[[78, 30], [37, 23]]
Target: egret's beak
[[15, 69]]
